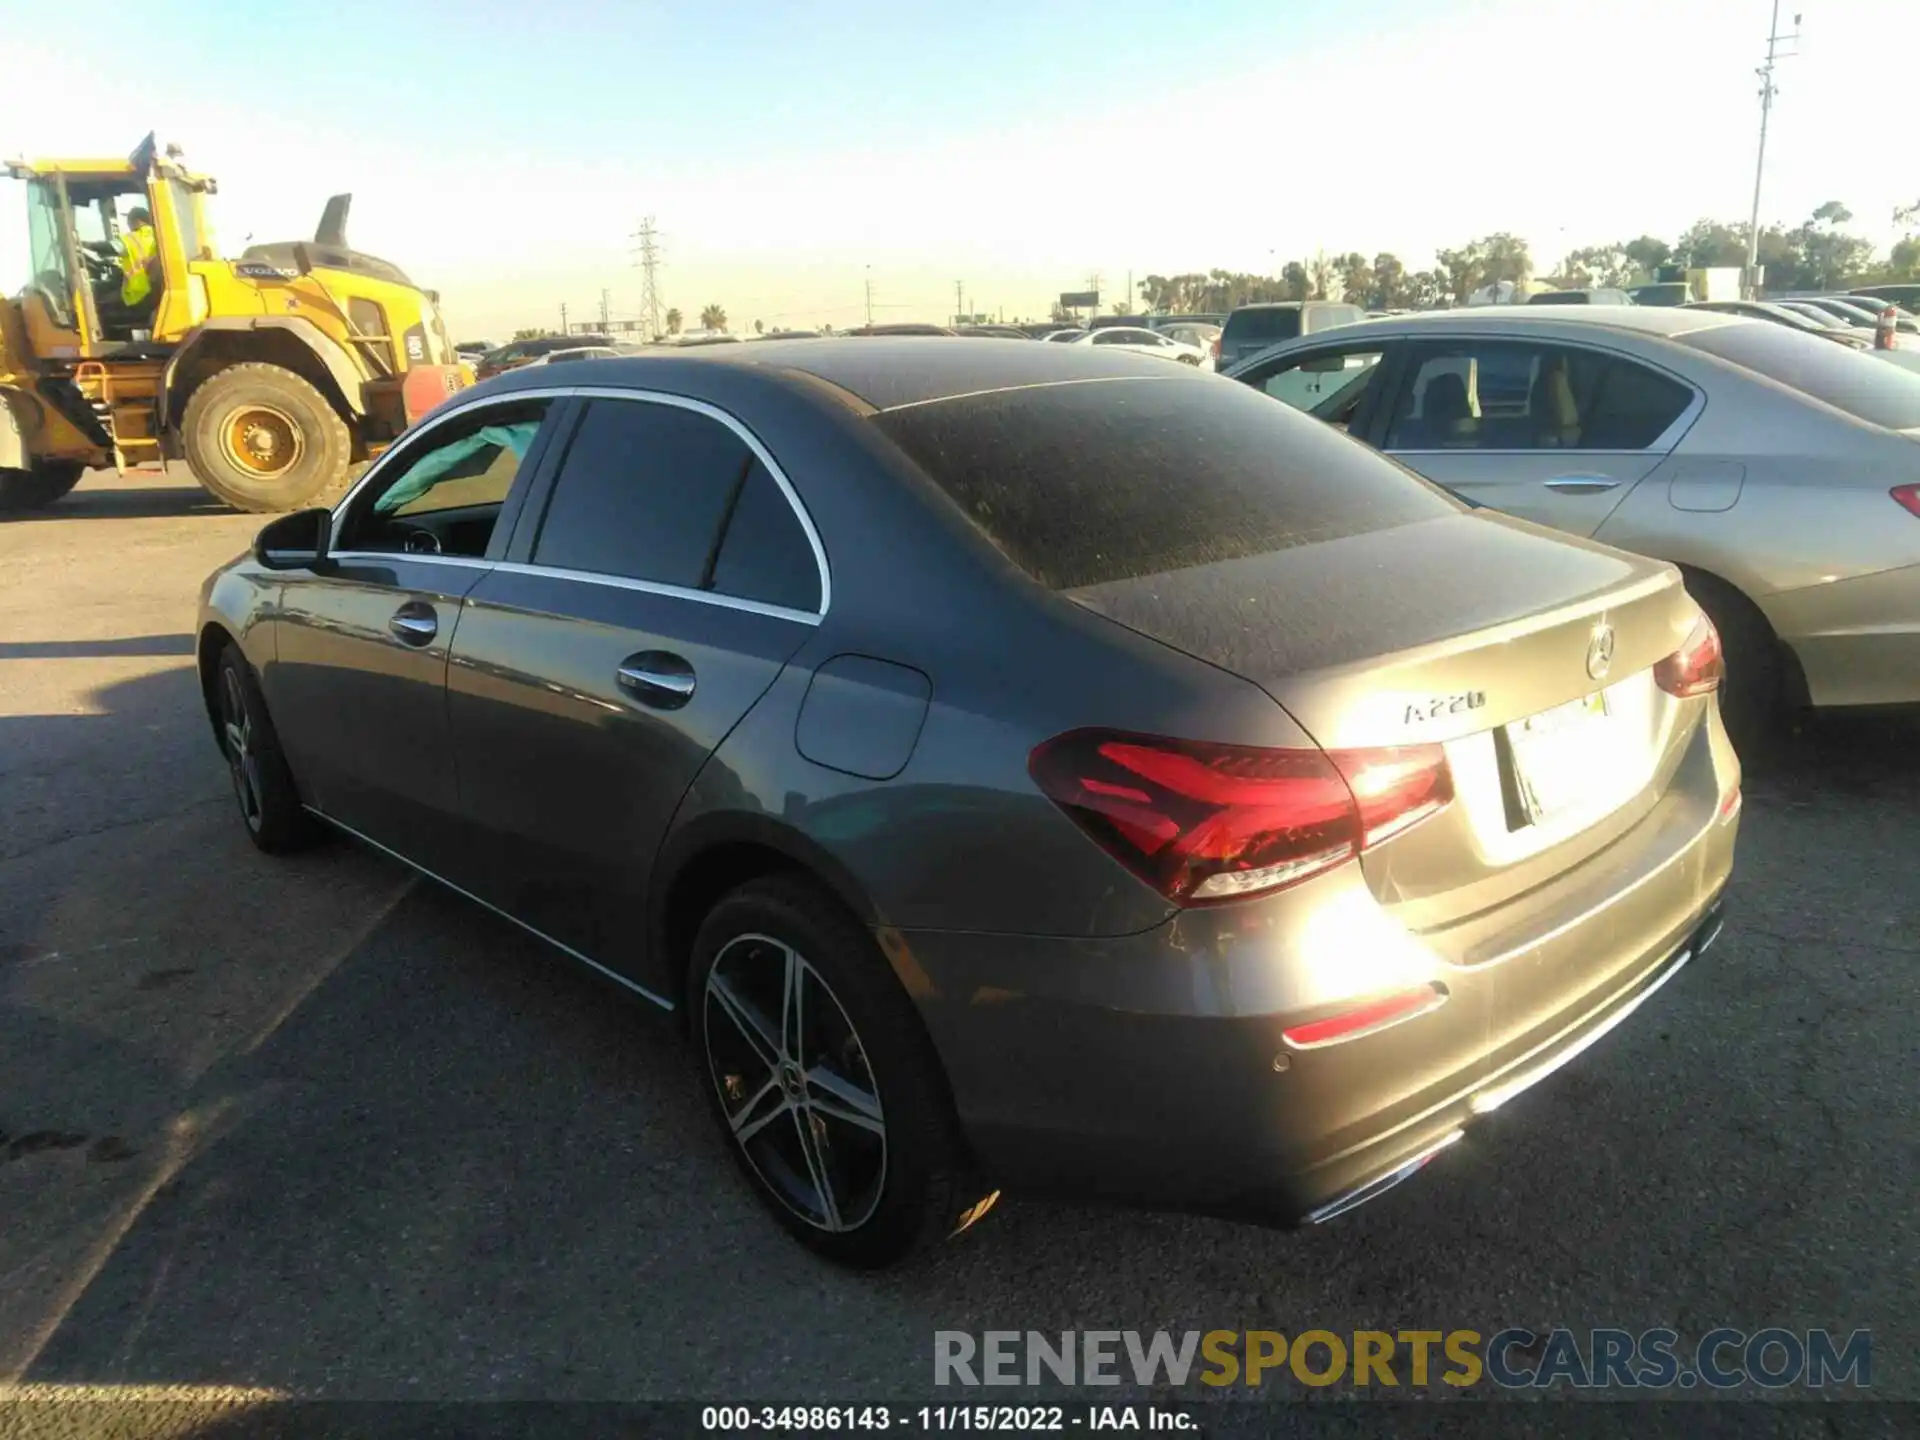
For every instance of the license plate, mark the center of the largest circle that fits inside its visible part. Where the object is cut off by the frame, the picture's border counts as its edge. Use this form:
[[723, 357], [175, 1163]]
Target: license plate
[[1564, 757]]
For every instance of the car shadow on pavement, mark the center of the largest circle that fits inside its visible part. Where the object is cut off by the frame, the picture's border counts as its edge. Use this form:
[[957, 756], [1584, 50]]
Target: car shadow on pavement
[[158, 501], [389, 1147], [126, 645]]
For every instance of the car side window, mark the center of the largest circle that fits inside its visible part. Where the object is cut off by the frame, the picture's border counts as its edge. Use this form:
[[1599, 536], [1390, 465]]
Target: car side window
[[1507, 396], [765, 554], [1109, 337], [1630, 407], [642, 492], [444, 497], [1328, 386]]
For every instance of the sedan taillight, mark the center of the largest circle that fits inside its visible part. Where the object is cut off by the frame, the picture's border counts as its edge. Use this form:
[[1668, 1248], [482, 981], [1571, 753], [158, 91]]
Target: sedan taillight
[[1204, 823], [1696, 667]]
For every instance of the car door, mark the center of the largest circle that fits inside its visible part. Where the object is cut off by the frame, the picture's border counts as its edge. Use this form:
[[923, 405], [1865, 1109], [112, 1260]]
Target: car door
[[357, 685], [1555, 433], [652, 594], [1336, 383]]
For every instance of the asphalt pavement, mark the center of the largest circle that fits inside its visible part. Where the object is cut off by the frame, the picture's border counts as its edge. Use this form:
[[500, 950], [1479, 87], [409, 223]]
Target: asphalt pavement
[[315, 1127]]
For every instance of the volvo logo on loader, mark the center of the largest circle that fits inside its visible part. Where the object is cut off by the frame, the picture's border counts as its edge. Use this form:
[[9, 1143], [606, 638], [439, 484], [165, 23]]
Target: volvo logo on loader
[[1600, 651]]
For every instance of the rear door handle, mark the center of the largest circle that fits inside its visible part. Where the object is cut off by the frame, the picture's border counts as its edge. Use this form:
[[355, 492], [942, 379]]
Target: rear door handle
[[657, 678], [1581, 484], [414, 623]]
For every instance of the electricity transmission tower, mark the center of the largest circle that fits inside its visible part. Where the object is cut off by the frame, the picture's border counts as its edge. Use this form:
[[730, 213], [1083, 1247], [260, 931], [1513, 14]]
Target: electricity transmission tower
[[649, 256]]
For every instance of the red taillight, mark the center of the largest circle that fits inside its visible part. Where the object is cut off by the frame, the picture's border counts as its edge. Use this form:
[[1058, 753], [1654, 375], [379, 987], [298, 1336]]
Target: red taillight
[[1696, 667], [1215, 347], [1907, 496], [1203, 823], [1365, 1018]]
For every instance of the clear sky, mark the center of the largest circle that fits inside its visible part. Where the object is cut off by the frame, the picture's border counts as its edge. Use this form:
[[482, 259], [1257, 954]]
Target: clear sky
[[504, 152]]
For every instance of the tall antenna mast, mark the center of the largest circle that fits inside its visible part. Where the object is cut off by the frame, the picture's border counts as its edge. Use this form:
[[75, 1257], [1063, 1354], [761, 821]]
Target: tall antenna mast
[[1767, 91]]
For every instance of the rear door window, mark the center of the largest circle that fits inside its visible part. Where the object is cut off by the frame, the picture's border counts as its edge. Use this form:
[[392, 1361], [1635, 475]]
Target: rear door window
[[1085, 484], [642, 492]]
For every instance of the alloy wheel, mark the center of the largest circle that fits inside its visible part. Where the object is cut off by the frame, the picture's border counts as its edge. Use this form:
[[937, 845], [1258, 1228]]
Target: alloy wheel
[[243, 762], [794, 1083]]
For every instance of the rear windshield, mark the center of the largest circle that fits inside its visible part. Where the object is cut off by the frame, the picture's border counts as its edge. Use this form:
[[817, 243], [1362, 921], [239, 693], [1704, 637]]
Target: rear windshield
[[1082, 484], [1862, 385], [1263, 325]]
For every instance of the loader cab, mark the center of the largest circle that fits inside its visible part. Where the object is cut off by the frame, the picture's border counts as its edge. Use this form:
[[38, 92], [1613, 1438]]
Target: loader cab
[[76, 214]]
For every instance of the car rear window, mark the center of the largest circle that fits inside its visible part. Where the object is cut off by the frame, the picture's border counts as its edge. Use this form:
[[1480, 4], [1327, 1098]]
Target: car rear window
[[1082, 484], [1266, 326], [1860, 384]]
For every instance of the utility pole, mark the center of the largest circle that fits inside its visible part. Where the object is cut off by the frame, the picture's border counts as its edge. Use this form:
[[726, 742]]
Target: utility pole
[[1130, 292], [649, 257], [604, 320], [869, 297], [1774, 41], [563, 317], [1093, 284], [959, 308]]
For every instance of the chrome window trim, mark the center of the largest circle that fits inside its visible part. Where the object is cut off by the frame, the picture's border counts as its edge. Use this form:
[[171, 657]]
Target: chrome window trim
[[654, 587], [752, 442], [459, 562], [459, 410]]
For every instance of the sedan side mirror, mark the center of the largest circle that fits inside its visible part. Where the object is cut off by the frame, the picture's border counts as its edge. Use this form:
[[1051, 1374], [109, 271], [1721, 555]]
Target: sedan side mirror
[[295, 542]]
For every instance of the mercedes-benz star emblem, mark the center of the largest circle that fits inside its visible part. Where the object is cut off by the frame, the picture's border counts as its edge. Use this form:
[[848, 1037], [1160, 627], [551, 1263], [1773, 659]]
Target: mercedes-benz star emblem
[[1600, 651]]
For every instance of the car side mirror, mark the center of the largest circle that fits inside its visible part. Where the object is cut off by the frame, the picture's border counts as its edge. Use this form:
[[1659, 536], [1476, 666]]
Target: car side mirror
[[295, 542], [1324, 365]]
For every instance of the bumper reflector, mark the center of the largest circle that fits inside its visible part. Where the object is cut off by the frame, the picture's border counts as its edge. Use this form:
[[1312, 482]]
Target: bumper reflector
[[1366, 1019]]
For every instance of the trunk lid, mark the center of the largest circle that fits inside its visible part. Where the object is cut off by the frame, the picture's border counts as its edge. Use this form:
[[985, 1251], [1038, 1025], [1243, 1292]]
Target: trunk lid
[[1528, 655]]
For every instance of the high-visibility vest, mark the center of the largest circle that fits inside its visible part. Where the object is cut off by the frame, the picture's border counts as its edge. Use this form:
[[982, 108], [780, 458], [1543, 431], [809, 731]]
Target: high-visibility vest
[[140, 247]]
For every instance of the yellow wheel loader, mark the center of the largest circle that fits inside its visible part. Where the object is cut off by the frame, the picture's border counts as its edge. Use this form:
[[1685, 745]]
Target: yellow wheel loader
[[270, 375]]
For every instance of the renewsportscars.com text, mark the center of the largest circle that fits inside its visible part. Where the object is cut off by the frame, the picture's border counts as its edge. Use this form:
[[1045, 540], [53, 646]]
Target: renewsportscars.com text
[[1722, 1359]]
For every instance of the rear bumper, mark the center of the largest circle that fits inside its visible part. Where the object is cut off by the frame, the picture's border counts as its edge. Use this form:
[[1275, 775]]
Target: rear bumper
[[1153, 1070]]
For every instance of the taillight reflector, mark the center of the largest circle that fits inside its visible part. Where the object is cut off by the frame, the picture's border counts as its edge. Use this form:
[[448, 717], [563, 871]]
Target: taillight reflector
[[1908, 496], [1204, 823], [1365, 1019], [1696, 667]]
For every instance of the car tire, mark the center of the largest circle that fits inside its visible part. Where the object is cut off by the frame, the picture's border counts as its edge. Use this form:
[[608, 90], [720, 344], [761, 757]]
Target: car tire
[[262, 438], [262, 782], [1752, 697], [855, 1108], [39, 486]]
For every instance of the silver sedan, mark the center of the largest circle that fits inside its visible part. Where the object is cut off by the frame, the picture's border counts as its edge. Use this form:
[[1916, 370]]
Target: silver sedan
[[1778, 471]]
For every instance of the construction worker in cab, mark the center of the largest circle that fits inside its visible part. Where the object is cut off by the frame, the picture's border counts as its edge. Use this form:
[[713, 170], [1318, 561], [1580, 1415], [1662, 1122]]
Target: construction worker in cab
[[140, 252]]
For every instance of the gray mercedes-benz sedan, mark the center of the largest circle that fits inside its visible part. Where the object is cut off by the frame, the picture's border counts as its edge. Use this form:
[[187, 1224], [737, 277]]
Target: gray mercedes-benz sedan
[[1019, 766]]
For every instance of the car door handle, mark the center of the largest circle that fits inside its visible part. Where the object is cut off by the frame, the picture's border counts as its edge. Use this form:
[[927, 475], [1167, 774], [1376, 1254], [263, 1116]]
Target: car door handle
[[414, 623], [657, 678], [1580, 484]]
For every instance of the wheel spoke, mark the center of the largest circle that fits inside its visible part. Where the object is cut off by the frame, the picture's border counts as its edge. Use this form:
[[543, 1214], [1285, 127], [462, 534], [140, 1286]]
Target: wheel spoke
[[752, 1026], [817, 1169], [236, 741], [746, 1124], [793, 1010], [840, 1099]]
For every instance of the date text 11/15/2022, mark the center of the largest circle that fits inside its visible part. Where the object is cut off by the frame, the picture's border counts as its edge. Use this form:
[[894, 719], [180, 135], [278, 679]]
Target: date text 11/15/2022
[[937, 1419]]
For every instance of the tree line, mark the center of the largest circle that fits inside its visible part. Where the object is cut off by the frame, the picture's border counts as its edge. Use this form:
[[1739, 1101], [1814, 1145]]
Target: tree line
[[1814, 255]]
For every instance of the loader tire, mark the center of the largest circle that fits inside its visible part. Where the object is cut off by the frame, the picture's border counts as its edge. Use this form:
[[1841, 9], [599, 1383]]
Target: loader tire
[[38, 487], [261, 438]]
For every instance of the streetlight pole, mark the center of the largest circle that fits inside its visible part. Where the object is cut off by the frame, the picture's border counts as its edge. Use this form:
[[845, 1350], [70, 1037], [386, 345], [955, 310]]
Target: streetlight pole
[[1767, 92]]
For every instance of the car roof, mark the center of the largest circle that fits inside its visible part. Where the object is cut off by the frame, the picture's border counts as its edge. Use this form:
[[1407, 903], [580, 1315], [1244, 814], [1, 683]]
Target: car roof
[[880, 372], [1642, 319]]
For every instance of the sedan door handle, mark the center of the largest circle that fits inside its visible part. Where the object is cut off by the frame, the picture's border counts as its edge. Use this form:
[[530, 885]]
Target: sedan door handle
[[1581, 484], [657, 678], [414, 623]]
